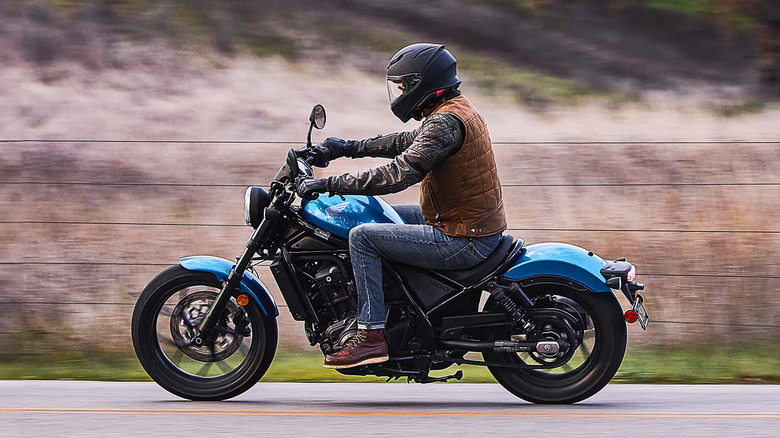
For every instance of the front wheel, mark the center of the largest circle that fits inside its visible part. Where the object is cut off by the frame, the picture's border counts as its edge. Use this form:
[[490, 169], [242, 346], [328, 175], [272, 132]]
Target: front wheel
[[164, 331], [592, 326]]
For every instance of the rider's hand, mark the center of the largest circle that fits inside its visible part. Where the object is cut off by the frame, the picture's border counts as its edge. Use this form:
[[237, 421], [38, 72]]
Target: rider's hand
[[311, 188], [330, 149]]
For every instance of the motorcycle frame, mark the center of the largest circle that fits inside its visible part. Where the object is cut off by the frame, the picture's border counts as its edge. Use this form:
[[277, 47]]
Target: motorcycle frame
[[268, 240]]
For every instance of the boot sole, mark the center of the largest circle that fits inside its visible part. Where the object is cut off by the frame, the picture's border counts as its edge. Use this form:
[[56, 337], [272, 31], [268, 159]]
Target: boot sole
[[369, 361]]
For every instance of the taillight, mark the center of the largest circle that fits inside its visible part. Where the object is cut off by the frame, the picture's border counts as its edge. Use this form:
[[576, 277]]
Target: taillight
[[630, 316], [631, 274]]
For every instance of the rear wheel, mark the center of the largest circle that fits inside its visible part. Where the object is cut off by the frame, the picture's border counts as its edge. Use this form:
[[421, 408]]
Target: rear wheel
[[164, 329], [593, 327]]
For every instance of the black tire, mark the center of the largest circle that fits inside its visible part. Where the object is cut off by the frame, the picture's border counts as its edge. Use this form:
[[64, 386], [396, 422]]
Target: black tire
[[166, 353], [594, 365]]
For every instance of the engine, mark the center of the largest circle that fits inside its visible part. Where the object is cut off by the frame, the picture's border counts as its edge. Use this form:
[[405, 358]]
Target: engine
[[328, 285], [337, 289], [340, 290]]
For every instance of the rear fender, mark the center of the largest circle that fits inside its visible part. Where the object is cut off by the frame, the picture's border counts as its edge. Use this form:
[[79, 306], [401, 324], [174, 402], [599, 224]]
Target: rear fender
[[562, 261], [250, 284]]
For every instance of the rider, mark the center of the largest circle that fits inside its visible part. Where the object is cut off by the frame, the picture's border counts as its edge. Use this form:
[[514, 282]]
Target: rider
[[461, 215]]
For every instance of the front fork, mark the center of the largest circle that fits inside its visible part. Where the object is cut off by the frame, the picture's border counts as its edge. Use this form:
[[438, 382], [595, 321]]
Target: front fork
[[233, 281]]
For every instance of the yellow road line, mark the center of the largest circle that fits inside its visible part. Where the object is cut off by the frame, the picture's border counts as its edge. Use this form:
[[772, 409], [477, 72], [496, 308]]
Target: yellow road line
[[390, 413]]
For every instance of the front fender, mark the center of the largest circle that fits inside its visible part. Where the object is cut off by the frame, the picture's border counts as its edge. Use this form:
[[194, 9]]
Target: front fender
[[560, 260], [250, 284]]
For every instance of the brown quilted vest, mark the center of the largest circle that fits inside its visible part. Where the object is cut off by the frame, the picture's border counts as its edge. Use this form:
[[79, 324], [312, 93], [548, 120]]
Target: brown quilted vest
[[462, 195]]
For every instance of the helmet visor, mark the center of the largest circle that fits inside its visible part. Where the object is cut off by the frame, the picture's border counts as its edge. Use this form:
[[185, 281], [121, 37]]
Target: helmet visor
[[399, 85], [395, 88]]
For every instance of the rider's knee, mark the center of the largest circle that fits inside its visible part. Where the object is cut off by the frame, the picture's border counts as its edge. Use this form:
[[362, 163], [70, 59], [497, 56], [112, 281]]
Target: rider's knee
[[358, 234]]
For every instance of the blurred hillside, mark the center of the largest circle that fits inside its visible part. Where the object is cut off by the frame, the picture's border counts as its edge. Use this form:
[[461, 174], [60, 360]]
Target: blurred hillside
[[541, 51], [84, 226]]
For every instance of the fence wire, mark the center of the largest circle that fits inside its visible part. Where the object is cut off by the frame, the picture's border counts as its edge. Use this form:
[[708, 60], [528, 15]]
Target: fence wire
[[500, 142], [284, 306], [577, 230], [6, 142], [163, 264], [511, 184]]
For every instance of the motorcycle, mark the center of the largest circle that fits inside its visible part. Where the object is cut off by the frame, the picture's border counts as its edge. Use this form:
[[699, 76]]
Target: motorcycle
[[544, 317]]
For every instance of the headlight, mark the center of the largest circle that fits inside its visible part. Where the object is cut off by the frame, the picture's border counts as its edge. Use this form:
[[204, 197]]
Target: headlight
[[247, 203], [255, 201]]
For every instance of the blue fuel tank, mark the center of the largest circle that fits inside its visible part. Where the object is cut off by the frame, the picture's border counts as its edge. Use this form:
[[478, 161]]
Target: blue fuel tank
[[339, 215]]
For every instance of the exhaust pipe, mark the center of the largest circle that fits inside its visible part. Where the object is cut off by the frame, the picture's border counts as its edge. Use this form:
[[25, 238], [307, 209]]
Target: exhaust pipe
[[542, 347]]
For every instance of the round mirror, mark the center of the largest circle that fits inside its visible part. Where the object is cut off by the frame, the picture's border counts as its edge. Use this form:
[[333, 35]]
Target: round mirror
[[317, 117]]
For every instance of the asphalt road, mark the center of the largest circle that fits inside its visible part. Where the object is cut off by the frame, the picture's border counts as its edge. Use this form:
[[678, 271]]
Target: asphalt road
[[101, 409]]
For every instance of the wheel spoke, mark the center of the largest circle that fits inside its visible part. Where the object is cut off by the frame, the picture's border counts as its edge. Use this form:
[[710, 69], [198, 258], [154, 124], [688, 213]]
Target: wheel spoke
[[165, 340], [176, 354], [176, 357], [584, 349], [204, 370], [168, 341], [224, 366], [588, 339]]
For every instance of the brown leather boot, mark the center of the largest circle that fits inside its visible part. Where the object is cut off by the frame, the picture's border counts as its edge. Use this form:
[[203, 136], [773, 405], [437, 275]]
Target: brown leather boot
[[366, 347]]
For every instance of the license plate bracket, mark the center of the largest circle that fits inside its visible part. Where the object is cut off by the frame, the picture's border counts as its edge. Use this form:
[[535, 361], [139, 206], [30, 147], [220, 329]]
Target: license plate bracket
[[641, 313]]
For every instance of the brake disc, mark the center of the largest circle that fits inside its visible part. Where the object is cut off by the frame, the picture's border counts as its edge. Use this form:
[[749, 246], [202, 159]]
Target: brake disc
[[186, 318]]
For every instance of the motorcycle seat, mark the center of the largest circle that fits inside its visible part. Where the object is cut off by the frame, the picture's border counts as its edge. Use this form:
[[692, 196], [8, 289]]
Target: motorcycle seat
[[468, 277]]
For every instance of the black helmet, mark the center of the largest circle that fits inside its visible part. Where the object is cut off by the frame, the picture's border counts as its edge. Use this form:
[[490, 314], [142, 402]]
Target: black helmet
[[416, 76]]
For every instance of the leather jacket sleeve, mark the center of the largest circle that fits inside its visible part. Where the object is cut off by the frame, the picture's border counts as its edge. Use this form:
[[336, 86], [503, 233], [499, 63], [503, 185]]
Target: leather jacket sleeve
[[439, 137], [386, 146]]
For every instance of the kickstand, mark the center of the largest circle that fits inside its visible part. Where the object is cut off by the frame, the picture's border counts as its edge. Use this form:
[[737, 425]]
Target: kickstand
[[427, 379]]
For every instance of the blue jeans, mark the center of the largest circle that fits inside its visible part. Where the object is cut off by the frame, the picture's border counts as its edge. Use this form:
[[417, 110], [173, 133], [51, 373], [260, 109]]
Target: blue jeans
[[414, 243]]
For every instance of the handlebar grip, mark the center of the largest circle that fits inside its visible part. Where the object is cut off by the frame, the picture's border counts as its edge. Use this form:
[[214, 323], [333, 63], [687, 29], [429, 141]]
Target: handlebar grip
[[301, 151]]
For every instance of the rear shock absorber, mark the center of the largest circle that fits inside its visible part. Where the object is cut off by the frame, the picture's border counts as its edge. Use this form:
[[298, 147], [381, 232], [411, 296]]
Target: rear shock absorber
[[505, 296]]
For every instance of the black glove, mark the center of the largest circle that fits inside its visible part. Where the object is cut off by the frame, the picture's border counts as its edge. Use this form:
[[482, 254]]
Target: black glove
[[330, 149], [311, 188]]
